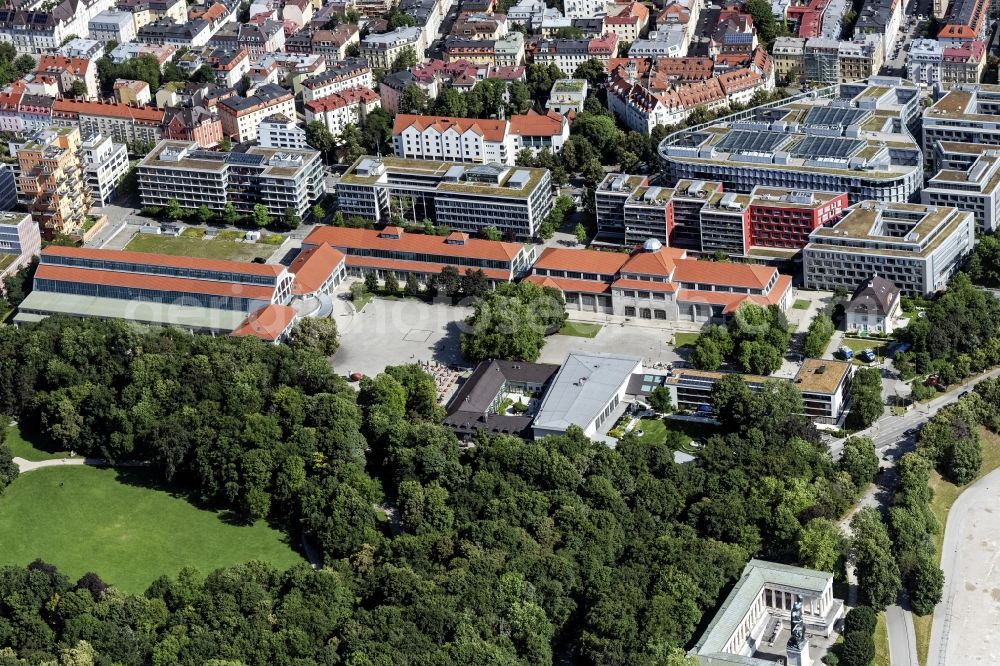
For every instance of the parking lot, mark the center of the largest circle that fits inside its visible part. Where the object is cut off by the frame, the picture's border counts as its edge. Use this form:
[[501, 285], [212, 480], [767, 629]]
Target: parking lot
[[395, 332]]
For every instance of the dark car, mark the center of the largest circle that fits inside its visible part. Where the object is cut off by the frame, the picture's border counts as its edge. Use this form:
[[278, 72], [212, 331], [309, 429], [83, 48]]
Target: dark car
[[963, 394]]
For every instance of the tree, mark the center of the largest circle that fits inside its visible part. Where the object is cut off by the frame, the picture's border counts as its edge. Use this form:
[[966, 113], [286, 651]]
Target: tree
[[413, 100], [512, 321], [475, 284], [822, 545], [371, 281], [78, 89], [859, 460], [174, 210], [358, 291], [8, 468], [450, 282], [204, 214], [319, 137], [593, 71], [858, 649], [706, 354], [659, 399], [759, 358], [412, 286], [229, 215], [925, 586], [580, 232], [17, 286], [391, 283], [261, 217], [292, 220], [226, 144], [763, 20], [490, 232], [866, 398], [316, 334], [406, 59], [450, 102], [878, 573], [546, 230], [317, 212], [818, 336], [860, 618], [965, 459]]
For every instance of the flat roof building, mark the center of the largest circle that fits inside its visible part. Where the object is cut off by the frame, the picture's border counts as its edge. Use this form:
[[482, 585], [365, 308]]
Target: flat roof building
[[976, 189], [851, 137], [588, 391], [19, 242], [279, 178], [965, 113], [462, 197], [919, 247]]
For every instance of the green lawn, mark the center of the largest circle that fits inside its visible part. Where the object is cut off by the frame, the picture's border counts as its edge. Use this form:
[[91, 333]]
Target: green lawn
[[801, 304], [187, 246], [881, 642], [654, 431], [194, 232], [21, 447], [945, 494], [685, 339], [580, 329], [360, 303], [85, 519]]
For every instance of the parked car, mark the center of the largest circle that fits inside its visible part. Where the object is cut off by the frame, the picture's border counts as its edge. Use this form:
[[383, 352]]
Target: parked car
[[963, 394], [845, 353], [931, 380], [867, 356]]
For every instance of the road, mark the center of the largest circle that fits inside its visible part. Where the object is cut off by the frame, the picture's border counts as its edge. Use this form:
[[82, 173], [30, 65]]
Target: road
[[24, 465], [891, 432]]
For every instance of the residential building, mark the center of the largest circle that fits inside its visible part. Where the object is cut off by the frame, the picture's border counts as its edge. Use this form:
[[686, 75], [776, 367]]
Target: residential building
[[975, 188], [923, 62], [764, 595], [584, 8], [568, 54], [19, 242], [967, 20], [68, 71], [850, 137], [85, 49], [724, 224], [147, 11], [50, 180], [539, 131], [163, 53], [874, 307], [105, 164], [240, 116], [279, 131], [123, 123], [131, 92], [381, 50], [528, 13], [918, 247], [113, 25], [462, 197], [508, 51], [298, 12], [567, 95], [821, 60], [964, 113], [350, 106], [392, 250], [350, 73], [277, 178], [39, 30], [882, 18], [476, 25], [477, 404], [627, 20], [860, 59], [332, 43], [657, 283], [258, 39], [963, 63], [165, 31], [195, 123], [789, 58]]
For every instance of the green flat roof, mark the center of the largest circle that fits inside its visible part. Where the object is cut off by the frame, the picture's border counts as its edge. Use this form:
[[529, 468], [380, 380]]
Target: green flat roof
[[40, 304]]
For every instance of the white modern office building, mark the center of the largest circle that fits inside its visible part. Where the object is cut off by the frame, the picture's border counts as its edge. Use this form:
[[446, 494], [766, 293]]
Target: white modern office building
[[851, 137], [918, 247], [105, 163], [975, 189]]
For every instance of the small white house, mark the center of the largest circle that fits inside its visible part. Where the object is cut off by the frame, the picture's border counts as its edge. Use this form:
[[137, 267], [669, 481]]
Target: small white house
[[874, 308]]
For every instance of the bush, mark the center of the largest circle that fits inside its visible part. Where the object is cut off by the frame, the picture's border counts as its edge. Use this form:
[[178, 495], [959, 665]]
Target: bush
[[858, 649], [818, 336], [862, 619]]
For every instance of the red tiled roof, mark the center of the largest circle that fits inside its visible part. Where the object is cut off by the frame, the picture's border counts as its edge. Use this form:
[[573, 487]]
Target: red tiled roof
[[732, 301], [570, 284], [662, 262], [645, 285], [537, 124], [314, 266], [751, 276], [491, 130], [49, 62], [152, 282], [152, 259], [354, 261], [583, 261], [355, 95], [268, 323], [72, 106], [476, 248]]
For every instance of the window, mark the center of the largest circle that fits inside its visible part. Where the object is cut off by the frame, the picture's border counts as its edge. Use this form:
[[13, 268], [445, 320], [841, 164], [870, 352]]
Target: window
[[629, 311]]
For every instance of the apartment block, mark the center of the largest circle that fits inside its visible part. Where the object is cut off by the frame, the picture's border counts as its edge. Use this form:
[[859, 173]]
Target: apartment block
[[567, 95], [918, 247], [725, 224], [123, 123], [339, 76], [851, 137], [105, 163], [278, 131], [382, 49], [568, 54], [19, 242], [240, 116], [338, 110], [50, 180], [113, 26], [278, 178], [973, 189], [784, 219], [463, 197]]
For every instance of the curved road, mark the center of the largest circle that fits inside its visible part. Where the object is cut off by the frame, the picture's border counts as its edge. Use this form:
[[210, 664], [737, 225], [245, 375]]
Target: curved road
[[958, 636]]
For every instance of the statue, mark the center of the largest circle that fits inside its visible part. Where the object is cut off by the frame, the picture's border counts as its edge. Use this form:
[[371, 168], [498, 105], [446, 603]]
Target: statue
[[797, 639]]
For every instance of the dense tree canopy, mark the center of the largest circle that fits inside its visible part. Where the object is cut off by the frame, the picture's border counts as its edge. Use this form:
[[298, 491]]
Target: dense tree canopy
[[512, 322]]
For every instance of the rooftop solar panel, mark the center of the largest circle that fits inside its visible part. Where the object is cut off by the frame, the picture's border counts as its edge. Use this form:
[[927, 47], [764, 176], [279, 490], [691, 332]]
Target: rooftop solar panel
[[818, 147], [244, 158], [836, 116], [744, 140]]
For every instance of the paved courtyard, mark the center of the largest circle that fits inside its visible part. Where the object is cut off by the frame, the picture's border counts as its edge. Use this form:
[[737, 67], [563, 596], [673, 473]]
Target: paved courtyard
[[965, 620], [651, 343], [396, 332]]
